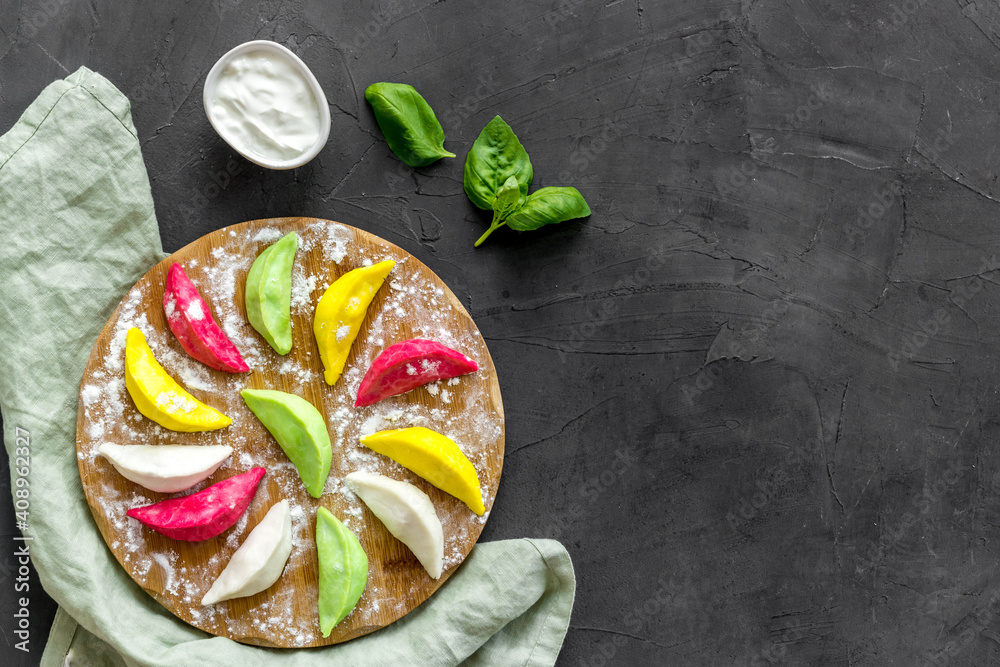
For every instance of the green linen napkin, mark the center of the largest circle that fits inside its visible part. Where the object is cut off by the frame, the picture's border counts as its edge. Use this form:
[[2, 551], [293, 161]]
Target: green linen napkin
[[77, 229]]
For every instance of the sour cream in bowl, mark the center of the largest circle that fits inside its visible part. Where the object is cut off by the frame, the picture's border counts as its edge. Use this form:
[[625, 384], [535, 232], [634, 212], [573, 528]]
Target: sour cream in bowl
[[263, 100]]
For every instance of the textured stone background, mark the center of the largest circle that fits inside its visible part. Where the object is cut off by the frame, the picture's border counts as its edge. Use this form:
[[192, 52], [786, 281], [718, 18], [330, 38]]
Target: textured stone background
[[754, 394]]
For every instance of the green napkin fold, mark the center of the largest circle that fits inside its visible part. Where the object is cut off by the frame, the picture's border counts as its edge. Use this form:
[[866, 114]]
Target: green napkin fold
[[77, 230]]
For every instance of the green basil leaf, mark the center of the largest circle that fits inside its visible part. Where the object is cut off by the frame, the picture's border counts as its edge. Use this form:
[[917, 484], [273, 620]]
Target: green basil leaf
[[549, 206], [495, 156], [410, 127], [507, 198]]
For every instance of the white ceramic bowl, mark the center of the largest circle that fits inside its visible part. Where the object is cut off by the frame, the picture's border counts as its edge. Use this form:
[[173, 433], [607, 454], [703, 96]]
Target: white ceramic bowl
[[324, 109]]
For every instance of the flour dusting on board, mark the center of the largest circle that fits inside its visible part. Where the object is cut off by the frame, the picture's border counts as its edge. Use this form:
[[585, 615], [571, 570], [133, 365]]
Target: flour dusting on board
[[267, 235], [408, 305]]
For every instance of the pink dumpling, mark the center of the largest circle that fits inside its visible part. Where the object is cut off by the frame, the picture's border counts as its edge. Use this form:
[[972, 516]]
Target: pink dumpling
[[205, 514], [408, 365], [196, 330]]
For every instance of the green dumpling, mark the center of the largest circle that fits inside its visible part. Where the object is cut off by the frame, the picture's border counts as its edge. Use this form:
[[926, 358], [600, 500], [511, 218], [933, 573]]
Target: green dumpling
[[343, 570], [269, 293], [300, 430]]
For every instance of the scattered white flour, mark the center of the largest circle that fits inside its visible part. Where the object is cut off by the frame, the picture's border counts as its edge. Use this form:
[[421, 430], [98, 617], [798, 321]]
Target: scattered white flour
[[292, 370], [96, 430], [194, 311], [266, 235], [334, 238], [90, 394], [174, 402], [302, 290], [371, 425], [234, 541], [347, 493], [170, 307], [166, 562]]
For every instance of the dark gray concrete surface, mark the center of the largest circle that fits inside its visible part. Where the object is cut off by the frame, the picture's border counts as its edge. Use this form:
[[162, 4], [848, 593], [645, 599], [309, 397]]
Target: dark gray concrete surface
[[755, 392]]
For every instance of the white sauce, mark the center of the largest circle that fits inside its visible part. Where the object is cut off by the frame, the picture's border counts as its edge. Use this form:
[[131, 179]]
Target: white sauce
[[265, 107]]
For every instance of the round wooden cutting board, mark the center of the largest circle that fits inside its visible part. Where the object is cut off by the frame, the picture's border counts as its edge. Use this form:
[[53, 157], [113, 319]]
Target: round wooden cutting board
[[413, 303]]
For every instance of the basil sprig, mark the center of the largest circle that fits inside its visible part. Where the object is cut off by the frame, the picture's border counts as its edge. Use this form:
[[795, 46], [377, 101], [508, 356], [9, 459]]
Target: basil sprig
[[498, 174], [410, 127]]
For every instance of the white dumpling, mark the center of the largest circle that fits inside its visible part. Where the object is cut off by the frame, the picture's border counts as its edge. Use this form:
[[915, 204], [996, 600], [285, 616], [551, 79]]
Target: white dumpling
[[407, 513], [259, 561], [166, 468]]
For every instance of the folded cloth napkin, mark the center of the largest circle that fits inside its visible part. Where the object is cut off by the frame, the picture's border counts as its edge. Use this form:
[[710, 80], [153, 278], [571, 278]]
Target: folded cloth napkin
[[78, 229]]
